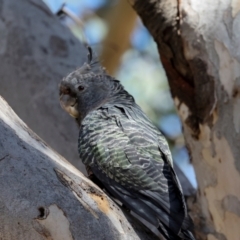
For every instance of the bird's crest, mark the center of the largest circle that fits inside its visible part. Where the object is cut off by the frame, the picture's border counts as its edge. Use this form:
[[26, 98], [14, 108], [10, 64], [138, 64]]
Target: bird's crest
[[91, 67]]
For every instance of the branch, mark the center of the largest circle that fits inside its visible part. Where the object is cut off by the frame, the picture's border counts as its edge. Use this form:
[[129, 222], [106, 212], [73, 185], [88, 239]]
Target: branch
[[43, 196]]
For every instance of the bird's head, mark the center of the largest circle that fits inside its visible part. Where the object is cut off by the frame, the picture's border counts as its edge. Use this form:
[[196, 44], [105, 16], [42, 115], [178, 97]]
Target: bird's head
[[84, 89]]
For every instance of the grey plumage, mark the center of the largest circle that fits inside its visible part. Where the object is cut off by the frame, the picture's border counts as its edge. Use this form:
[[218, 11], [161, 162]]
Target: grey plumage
[[124, 151]]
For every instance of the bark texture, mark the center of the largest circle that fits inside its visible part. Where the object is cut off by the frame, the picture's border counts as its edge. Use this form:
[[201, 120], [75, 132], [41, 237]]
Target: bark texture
[[36, 51], [198, 43], [45, 197]]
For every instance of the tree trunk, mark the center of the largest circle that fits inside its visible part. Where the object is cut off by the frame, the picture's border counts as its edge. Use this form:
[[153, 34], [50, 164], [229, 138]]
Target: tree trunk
[[36, 52], [45, 197], [198, 42]]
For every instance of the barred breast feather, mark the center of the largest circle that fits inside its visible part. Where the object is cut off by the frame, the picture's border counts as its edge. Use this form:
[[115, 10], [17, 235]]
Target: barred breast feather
[[132, 160]]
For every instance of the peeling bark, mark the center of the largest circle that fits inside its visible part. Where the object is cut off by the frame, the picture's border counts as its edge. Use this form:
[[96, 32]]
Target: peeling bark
[[199, 48], [45, 197]]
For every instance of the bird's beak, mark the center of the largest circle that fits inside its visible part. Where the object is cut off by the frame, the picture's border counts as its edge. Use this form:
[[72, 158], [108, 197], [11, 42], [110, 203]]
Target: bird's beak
[[69, 104]]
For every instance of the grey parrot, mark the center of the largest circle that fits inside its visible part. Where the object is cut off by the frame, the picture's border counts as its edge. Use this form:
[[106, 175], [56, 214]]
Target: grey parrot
[[123, 150]]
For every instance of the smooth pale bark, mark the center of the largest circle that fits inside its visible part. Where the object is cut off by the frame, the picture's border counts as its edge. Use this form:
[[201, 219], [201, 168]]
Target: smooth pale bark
[[45, 197], [36, 52], [198, 42]]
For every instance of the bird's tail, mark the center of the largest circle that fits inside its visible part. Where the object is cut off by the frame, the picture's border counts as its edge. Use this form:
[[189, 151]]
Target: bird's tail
[[186, 235], [169, 235]]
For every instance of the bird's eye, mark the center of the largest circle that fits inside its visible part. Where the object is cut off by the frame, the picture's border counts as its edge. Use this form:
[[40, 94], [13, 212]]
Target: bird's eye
[[80, 88]]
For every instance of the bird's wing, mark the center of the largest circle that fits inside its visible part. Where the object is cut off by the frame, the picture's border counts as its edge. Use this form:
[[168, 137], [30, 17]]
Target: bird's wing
[[126, 156]]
